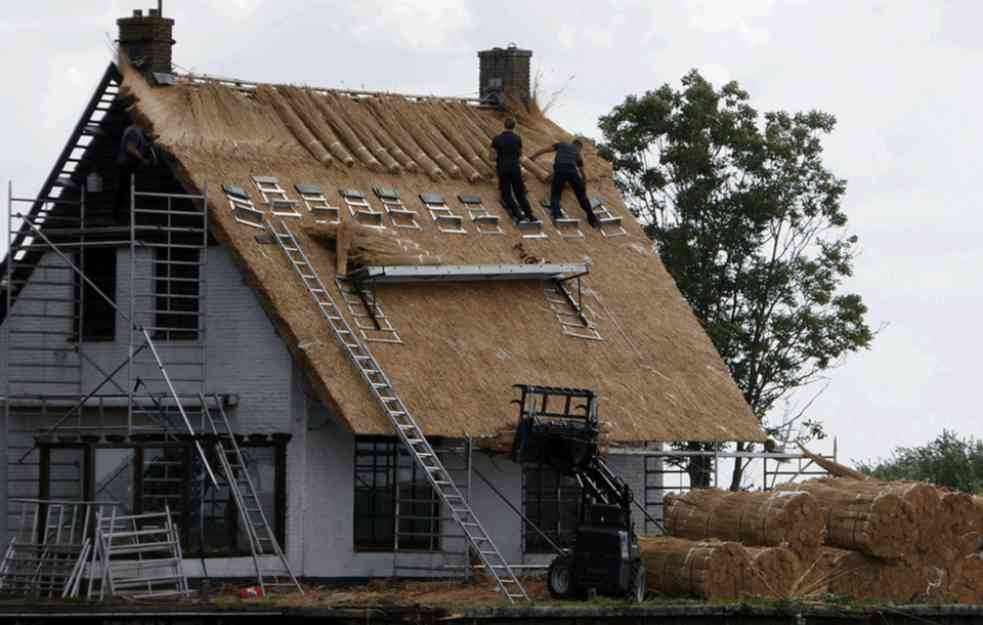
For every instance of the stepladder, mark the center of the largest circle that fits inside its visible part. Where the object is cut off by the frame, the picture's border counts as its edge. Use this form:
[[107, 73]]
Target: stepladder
[[405, 426], [273, 572]]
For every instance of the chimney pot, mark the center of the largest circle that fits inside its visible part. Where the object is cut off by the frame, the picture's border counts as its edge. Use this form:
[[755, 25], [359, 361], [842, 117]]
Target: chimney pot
[[504, 72], [147, 40]]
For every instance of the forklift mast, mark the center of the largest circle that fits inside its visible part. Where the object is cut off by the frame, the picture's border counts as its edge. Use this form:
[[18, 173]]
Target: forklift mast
[[559, 427]]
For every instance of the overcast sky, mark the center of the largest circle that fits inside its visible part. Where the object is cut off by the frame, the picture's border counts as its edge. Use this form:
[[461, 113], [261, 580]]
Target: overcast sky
[[902, 78]]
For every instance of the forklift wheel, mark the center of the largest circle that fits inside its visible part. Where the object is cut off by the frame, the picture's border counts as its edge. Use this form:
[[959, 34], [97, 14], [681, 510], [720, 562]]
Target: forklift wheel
[[638, 585], [559, 580]]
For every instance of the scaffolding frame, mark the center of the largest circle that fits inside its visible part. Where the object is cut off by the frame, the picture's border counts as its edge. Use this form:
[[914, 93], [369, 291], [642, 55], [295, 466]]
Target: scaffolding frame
[[47, 555], [660, 464]]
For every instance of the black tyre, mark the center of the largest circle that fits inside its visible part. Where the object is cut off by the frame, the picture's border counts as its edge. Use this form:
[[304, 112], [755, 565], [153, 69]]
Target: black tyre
[[638, 585], [559, 580]]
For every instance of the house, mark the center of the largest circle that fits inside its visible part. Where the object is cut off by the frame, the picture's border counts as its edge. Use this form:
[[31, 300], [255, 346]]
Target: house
[[125, 337]]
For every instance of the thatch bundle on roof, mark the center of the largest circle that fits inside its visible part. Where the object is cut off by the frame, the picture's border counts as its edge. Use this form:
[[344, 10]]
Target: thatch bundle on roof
[[359, 245], [871, 521], [792, 519], [708, 569]]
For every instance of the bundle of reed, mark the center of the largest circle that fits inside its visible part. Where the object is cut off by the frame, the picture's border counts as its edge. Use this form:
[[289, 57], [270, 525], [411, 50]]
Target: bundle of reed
[[707, 570], [292, 121], [345, 131], [958, 525], [387, 143], [417, 129], [391, 123], [353, 114], [966, 580], [304, 105], [923, 498], [833, 468], [859, 577], [876, 523], [466, 129], [443, 120], [362, 245], [774, 571], [791, 519]]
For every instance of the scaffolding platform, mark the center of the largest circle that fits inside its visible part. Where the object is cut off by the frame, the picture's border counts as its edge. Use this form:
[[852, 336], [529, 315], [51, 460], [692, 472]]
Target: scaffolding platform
[[467, 273]]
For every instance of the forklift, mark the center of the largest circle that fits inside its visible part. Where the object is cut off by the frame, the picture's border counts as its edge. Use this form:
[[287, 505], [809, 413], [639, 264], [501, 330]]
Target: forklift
[[559, 427]]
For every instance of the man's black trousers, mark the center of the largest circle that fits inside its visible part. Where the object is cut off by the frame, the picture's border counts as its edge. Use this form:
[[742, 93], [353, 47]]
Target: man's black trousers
[[513, 191], [561, 178]]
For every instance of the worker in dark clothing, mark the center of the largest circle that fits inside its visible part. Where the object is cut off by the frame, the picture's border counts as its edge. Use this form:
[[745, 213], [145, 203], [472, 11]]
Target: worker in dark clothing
[[507, 151], [134, 152], [568, 168]]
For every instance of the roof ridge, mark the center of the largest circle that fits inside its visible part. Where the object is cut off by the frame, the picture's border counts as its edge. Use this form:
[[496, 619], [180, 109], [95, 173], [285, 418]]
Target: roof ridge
[[250, 85]]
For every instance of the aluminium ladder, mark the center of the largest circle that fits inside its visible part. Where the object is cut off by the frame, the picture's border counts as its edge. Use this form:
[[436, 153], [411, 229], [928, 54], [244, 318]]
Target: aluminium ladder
[[408, 431], [262, 539]]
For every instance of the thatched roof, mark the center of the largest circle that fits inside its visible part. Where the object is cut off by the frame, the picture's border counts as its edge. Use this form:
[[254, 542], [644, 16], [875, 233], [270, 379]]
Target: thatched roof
[[464, 344]]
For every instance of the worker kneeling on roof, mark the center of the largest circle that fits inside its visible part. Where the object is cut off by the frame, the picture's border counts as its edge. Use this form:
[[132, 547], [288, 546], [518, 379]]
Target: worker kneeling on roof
[[135, 150], [507, 151], [568, 168]]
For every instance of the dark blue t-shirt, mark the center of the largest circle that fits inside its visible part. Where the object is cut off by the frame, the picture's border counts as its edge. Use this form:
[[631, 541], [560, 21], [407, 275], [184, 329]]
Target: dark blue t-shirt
[[508, 150], [567, 157]]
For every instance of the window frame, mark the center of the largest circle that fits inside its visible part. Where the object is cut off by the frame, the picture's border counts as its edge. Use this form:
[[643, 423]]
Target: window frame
[[278, 444], [87, 330], [395, 463], [169, 286], [561, 498]]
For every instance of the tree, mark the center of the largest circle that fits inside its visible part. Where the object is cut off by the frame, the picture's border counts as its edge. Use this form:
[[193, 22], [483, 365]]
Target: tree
[[946, 461], [748, 221]]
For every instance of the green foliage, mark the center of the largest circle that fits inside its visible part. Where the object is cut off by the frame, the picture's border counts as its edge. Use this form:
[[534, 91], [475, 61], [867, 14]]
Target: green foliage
[[748, 221], [946, 461]]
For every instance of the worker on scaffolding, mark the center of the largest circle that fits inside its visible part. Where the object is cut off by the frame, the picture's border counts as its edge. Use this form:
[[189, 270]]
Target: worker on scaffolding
[[568, 168], [506, 152], [135, 151]]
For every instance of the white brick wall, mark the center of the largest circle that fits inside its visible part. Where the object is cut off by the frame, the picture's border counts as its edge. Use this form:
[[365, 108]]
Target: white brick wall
[[244, 356]]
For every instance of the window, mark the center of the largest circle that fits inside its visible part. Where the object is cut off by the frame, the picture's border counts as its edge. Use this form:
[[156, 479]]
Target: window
[[176, 281], [383, 471], [552, 502], [98, 316], [143, 478]]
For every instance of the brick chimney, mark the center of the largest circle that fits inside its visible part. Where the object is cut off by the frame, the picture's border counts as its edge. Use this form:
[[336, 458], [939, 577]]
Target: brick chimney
[[504, 72], [147, 40]]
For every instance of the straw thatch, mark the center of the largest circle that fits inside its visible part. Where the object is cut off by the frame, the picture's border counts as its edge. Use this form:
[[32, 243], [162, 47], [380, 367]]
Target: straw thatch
[[707, 570], [860, 577], [792, 519], [833, 468], [365, 245], [966, 580], [875, 522], [466, 344], [774, 571], [923, 498], [957, 526]]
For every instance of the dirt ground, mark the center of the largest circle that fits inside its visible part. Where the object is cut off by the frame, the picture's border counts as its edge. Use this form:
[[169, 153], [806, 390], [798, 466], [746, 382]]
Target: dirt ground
[[479, 593]]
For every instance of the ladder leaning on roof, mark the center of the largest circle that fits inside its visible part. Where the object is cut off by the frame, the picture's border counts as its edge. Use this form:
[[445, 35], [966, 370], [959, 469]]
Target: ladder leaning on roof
[[409, 432]]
